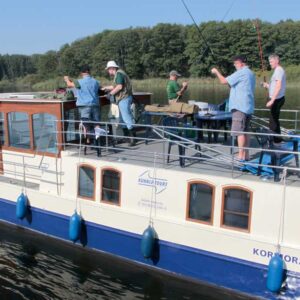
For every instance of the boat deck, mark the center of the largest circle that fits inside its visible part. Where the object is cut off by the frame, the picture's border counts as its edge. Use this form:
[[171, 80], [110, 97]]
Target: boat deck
[[212, 159]]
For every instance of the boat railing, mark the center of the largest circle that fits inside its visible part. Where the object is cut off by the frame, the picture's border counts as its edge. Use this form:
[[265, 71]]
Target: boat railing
[[289, 118], [152, 140]]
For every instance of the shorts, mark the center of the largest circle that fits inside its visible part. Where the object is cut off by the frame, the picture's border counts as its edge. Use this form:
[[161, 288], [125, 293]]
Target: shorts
[[90, 113], [240, 122]]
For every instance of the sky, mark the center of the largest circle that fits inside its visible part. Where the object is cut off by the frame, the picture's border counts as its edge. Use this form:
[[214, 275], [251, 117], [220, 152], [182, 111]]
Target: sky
[[36, 26]]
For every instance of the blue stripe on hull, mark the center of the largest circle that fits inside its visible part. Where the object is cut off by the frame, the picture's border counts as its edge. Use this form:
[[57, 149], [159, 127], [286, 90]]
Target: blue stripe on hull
[[202, 265]]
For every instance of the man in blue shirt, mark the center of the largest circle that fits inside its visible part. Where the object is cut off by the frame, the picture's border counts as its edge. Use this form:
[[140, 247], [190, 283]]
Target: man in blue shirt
[[87, 90], [241, 101]]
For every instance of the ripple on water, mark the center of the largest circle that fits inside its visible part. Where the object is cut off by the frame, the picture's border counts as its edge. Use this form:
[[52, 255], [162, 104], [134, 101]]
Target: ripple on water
[[33, 266]]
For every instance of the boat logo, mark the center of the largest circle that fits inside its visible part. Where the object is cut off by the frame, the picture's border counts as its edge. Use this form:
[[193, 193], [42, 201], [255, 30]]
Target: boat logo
[[146, 179]]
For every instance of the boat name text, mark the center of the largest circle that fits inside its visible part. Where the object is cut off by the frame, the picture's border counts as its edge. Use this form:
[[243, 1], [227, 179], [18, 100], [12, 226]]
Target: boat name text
[[159, 184], [269, 254]]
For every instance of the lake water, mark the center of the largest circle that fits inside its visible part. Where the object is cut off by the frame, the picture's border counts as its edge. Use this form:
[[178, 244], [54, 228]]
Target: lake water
[[216, 93], [33, 266], [211, 92]]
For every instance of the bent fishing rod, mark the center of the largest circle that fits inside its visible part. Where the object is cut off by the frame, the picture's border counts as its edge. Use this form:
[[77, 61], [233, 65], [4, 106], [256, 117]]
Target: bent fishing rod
[[201, 31]]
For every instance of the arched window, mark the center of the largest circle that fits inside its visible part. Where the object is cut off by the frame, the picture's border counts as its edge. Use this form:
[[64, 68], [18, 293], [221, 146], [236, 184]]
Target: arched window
[[18, 128], [200, 203], [111, 186], [86, 182], [44, 132], [236, 208]]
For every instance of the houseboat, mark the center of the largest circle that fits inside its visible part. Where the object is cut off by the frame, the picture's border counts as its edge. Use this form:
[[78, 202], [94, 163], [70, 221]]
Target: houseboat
[[172, 202]]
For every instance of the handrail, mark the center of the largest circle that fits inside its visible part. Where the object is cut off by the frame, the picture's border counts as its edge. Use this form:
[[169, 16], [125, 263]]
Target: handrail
[[217, 150], [212, 153]]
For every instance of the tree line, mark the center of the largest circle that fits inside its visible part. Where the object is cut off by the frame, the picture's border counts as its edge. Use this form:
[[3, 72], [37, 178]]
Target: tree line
[[152, 52]]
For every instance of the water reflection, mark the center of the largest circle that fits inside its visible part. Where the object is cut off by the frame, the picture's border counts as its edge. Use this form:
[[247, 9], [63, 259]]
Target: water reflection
[[216, 93], [38, 267]]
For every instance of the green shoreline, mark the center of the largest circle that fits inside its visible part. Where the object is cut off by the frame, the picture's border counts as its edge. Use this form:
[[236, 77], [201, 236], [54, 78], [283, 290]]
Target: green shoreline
[[30, 83]]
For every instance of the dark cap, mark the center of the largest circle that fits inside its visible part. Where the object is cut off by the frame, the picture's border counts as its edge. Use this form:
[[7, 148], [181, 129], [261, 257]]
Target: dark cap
[[85, 69], [174, 73], [240, 58]]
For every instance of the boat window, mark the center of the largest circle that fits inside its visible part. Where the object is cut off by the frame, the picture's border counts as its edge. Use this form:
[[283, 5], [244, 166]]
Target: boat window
[[44, 132], [111, 180], [200, 202], [86, 185], [18, 129], [2, 133], [71, 116], [236, 208]]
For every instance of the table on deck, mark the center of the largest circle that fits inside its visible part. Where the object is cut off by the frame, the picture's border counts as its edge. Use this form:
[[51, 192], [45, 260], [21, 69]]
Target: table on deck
[[213, 120], [148, 119]]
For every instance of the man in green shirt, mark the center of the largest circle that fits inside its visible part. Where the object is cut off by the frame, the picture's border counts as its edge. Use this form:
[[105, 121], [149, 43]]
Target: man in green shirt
[[122, 92], [174, 90]]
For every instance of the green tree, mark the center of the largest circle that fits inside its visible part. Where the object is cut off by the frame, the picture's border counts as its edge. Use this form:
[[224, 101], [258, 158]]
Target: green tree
[[47, 64]]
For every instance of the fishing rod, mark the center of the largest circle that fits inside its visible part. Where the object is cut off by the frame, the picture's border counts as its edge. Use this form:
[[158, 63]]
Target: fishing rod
[[201, 31], [198, 30], [259, 41]]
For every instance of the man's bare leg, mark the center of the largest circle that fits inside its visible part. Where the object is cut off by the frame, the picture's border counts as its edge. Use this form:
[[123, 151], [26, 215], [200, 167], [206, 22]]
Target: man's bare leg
[[243, 141]]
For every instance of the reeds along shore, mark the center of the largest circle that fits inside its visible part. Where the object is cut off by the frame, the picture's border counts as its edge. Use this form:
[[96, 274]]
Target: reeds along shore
[[35, 83]]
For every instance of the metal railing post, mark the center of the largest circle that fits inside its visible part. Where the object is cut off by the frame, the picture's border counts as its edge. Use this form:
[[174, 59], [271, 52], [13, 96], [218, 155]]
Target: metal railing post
[[232, 155], [164, 148]]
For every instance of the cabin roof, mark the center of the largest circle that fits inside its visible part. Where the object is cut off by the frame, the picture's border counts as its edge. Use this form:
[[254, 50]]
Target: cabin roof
[[43, 97], [37, 97]]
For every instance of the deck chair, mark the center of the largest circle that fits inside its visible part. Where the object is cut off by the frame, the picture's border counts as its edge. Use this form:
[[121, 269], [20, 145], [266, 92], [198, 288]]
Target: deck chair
[[277, 158], [90, 139], [174, 138], [104, 140]]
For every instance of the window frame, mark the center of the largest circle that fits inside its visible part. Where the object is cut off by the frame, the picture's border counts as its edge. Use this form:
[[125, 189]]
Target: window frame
[[95, 179], [237, 187], [120, 186], [34, 147], [211, 223], [31, 107], [30, 129], [3, 120]]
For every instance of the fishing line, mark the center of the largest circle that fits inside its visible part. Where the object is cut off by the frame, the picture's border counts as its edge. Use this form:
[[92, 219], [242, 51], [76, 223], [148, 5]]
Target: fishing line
[[259, 42], [228, 10], [198, 29], [204, 27]]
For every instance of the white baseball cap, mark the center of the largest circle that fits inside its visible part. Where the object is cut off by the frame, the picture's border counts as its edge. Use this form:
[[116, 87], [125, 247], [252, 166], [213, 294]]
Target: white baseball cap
[[111, 64]]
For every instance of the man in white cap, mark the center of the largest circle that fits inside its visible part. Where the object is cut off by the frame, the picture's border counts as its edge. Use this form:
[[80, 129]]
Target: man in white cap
[[122, 92], [174, 90]]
